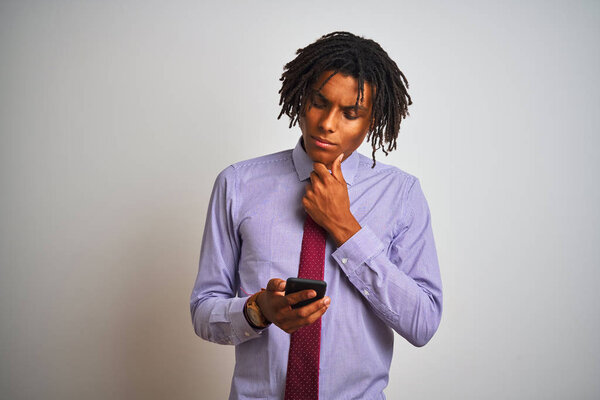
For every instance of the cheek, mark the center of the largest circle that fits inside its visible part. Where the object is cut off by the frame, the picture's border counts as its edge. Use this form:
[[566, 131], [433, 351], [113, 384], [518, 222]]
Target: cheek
[[310, 116], [357, 142], [304, 123], [359, 135]]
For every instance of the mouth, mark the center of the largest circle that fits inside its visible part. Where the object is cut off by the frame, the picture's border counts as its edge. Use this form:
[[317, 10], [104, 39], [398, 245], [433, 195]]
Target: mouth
[[325, 144]]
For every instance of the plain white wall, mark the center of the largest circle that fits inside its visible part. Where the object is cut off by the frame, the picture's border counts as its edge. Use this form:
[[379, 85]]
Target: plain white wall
[[116, 116]]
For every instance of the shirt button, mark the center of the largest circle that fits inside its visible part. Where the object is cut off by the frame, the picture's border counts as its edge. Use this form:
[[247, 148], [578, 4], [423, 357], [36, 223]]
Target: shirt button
[[247, 333], [366, 292], [344, 260]]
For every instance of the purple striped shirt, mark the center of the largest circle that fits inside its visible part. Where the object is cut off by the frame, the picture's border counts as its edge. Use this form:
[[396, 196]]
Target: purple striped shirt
[[385, 278]]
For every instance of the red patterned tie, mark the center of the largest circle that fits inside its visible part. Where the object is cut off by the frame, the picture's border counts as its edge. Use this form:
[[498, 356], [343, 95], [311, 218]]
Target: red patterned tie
[[302, 381]]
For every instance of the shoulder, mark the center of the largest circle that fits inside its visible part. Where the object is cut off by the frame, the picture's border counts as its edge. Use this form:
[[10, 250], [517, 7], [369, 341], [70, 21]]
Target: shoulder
[[402, 188], [384, 173], [269, 161], [263, 166]]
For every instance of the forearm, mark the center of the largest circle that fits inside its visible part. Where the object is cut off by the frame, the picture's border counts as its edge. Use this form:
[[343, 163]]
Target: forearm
[[343, 229]]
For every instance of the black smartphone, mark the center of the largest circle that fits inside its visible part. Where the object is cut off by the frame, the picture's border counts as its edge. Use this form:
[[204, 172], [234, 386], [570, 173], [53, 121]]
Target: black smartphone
[[293, 285]]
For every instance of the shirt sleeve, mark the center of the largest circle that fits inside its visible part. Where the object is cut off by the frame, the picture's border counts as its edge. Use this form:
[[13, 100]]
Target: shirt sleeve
[[400, 280], [217, 313]]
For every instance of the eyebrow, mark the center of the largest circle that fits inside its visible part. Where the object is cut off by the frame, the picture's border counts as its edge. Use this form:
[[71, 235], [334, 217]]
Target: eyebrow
[[352, 107]]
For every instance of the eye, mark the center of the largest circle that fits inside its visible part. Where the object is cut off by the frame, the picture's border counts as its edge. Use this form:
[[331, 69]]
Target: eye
[[318, 104], [350, 116]]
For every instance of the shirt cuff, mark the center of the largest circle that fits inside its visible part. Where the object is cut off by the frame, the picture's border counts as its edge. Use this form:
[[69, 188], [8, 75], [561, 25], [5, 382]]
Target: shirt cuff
[[240, 327], [357, 250]]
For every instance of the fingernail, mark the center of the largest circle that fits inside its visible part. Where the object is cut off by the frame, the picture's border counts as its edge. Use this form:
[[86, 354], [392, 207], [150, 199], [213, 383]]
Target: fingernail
[[327, 301], [341, 156], [312, 293]]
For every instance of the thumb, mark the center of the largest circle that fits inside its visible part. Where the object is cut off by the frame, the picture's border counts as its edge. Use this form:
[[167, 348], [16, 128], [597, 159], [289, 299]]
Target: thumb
[[336, 168], [276, 285]]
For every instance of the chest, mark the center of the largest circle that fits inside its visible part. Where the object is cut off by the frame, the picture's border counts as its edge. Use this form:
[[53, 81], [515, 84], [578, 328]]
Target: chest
[[271, 220]]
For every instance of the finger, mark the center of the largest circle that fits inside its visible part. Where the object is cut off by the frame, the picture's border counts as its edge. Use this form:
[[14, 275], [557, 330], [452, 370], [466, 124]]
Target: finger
[[314, 307], [321, 170], [299, 296], [316, 315], [322, 306], [276, 285], [315, 179], [306, 203], [336, 168], [307, 197], [310, 194]]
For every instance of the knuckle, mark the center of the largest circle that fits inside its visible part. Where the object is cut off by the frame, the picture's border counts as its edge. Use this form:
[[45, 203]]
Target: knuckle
[[272, 283], [303, 313], [279, 315], [302, 296]]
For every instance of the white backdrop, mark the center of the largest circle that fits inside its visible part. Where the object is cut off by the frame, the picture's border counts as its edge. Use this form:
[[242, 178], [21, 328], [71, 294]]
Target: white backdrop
[[116, 116]]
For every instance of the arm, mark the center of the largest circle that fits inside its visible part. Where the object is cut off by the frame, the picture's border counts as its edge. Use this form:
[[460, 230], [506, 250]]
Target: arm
[[217, 314], [400, 280]]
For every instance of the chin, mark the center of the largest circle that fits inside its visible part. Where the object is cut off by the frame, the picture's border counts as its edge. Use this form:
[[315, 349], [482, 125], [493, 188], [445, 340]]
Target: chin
[[318, 156], [327, 161]]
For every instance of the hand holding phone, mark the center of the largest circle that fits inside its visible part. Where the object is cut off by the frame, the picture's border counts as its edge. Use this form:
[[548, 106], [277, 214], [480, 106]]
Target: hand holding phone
[[276, 306], [294, 285]]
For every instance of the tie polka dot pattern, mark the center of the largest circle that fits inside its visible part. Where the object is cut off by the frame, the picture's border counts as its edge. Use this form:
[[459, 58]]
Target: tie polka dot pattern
[[302, 381]]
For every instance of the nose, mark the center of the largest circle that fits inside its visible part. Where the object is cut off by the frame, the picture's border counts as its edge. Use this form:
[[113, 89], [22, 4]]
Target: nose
[[328, 121]]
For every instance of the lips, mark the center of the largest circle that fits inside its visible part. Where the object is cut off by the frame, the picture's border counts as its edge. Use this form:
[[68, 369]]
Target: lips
[[318, 139]]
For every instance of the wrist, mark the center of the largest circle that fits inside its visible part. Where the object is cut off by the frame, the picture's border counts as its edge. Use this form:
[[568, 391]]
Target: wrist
[[345, 231], [253, 313]]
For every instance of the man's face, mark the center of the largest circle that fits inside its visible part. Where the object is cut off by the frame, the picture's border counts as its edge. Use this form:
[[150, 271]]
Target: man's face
[[331, 124]]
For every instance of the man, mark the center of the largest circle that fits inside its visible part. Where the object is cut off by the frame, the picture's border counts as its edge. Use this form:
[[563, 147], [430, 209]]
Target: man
[[269, 215]]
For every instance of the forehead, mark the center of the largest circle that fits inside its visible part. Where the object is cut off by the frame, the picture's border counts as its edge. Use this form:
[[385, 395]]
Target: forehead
[[342, 88]]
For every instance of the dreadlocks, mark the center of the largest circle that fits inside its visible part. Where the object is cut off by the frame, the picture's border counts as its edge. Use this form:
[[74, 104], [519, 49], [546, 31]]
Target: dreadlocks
[[361, 58]]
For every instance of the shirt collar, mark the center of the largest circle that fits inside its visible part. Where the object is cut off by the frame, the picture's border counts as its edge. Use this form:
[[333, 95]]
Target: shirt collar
[[304, 165]]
